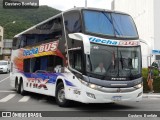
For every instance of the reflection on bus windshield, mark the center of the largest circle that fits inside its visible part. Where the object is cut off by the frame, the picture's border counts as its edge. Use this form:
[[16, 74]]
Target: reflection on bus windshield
[[115, 61], [112, 24]]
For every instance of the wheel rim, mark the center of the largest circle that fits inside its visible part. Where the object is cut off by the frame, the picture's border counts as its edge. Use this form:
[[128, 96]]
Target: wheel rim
[[61, 95]]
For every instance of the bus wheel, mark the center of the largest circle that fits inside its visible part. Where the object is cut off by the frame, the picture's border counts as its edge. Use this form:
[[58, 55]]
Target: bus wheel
[[22, 91], [60, 96], [17, 86]]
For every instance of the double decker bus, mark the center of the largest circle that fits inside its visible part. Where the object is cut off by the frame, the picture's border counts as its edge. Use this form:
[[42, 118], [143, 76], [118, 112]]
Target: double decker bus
[[83, 54]]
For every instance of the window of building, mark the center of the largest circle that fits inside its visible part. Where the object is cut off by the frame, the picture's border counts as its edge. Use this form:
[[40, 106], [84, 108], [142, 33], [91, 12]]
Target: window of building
[[7, 44]]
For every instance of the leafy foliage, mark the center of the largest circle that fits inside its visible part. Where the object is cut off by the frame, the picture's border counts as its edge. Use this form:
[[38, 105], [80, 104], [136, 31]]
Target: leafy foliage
[[24, 18]]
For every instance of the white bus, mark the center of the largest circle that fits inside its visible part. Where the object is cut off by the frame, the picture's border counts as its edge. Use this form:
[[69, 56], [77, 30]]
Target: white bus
[[83, 54]]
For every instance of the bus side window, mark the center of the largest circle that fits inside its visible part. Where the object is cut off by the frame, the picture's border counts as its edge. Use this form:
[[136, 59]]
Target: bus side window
[[50, 65], [72, 22], [58, 63], [23, 42], [76, 60], [26, 65], [16, 43]]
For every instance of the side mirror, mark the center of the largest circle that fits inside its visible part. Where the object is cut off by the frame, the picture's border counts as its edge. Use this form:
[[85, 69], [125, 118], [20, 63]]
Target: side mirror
[[81, 37], [75, 37], [143, 41]]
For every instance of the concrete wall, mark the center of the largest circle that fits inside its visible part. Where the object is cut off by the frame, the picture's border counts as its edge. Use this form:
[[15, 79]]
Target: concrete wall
[[156, 24]]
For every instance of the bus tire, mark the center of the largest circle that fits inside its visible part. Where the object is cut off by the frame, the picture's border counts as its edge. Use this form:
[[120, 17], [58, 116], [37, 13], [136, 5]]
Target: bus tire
[[22, 91], [60, 96], [17, 86]]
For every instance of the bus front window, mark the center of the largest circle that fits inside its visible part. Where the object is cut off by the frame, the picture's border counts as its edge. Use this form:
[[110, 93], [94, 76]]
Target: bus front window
[[112, 62], [109, 24]]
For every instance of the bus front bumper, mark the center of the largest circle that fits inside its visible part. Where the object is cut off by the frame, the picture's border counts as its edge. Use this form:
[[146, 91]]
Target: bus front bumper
[[94, 96], [89, 95]]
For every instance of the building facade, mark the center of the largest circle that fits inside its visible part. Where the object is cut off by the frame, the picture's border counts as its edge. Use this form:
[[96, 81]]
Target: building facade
[[1, 41], [147, 19], [7, 47]]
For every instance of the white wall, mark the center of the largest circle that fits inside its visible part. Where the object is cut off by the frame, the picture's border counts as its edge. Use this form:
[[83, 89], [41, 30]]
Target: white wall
[[142, 12], [156, 24]]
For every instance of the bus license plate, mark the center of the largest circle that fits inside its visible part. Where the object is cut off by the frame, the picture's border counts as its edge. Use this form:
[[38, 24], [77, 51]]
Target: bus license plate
[[116, 98]]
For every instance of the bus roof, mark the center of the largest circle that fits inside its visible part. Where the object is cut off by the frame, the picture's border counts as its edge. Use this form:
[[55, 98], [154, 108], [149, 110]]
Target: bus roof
[[76, 8]]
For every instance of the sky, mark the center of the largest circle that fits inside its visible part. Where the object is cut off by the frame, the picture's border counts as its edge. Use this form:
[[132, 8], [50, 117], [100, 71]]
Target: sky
[[68, 4]]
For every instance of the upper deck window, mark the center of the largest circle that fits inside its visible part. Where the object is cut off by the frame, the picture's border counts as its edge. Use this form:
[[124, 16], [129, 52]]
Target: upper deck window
[[46, 32], [109, 23], [72, 22]]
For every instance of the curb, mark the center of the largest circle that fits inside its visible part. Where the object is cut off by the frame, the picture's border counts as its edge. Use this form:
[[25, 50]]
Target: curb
[[151, 95]]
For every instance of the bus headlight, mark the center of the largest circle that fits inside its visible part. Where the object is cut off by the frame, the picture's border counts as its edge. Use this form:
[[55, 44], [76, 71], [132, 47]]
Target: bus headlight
[[138, 86], [93, 86]]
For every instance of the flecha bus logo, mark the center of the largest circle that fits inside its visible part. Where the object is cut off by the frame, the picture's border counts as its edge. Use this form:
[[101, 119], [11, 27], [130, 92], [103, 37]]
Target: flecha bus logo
[[52, 46]]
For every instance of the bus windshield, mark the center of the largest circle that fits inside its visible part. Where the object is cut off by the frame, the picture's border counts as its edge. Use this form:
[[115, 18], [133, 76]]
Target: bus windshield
[[109, 61], [110, 24]]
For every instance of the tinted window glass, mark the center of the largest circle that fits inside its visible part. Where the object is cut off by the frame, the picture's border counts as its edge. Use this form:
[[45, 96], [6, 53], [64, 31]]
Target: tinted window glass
[[72, 22], [120, 61], [124, 25], [98, 22], [49, 31], [109, 23], [46, 63], [16, 43], [76, 60], [26, 66]]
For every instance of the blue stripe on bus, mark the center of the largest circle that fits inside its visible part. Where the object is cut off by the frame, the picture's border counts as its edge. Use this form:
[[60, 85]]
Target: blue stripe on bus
[[68, 83]]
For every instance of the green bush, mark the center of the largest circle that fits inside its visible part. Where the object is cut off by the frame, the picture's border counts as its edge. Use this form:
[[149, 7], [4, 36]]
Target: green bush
[[156, 80]]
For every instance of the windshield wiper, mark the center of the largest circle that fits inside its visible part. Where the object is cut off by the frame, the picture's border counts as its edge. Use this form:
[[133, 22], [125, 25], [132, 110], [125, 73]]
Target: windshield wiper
[[113, 60], [91, 74], [121, 60]]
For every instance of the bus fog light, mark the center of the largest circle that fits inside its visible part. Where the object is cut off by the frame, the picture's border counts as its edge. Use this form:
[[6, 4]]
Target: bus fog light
[[90, 95]]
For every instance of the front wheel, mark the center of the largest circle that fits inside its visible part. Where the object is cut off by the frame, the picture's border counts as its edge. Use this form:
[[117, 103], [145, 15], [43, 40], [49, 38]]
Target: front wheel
[[60, 96]]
